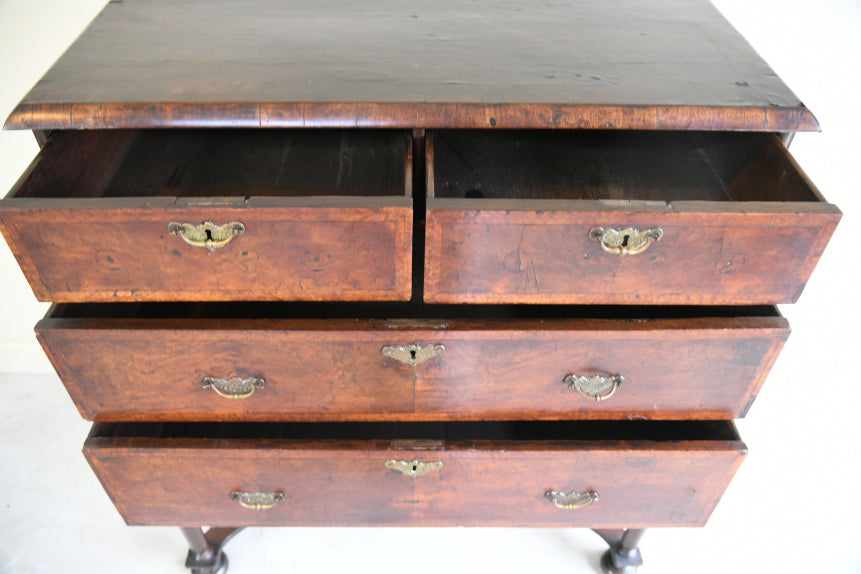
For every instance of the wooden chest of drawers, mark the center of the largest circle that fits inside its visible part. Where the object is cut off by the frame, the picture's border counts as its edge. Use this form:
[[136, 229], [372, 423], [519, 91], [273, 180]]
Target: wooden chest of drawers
[[406, 279]]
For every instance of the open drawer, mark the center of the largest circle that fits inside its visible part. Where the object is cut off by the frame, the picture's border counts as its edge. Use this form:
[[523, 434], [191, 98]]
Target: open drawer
[[619, 218], [599, 475], [157, 215], [390, 362]]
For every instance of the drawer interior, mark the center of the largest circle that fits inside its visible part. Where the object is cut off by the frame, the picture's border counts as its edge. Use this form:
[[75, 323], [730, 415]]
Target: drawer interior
[[437, 434], [408, 314], [221, 162], [614, 165]]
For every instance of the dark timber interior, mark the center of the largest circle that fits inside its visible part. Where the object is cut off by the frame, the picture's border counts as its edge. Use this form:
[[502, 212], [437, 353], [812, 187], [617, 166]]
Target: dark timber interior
[[384, 311], [563, 164], [221, 162], [556, 431], [658, 166]]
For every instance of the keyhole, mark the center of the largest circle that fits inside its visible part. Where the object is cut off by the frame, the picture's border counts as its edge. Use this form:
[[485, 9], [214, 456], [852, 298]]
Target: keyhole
[[208, 234], [625, 240], [413, 355], [415, 467]]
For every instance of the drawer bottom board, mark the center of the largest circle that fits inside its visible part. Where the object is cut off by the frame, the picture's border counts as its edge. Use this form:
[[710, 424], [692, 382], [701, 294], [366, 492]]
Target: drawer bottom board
[[564, 474]]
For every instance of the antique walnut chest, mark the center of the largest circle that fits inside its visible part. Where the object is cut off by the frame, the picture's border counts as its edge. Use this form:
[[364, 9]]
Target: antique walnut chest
[[380, 264]]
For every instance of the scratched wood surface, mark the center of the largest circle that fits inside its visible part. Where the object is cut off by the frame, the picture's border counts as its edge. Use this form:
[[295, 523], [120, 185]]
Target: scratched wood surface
[[487, 478], [666, 64]]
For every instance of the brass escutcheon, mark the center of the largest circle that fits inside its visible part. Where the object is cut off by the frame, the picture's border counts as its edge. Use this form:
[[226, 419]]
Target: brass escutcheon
[[234, 387], [413, 469], [412, 354], [571, 500], [207, 234], [595, 387], [257, 500], [628, 241]]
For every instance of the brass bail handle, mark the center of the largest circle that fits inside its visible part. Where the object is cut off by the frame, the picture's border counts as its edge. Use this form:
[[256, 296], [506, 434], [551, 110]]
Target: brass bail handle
[[595, 387], [628, 241], [234, 387], [571, 500], [256, 500], [207, 235]]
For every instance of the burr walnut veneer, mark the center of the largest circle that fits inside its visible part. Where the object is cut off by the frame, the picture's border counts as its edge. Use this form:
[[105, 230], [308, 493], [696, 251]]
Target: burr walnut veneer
[[381, 264], [135, 363], [190, 470]]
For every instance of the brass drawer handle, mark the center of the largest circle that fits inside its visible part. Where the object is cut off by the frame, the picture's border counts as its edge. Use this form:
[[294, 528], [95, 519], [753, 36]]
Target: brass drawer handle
[[571, 500], [207, 234], [257, 500], [595, 387], [628, 241], [413, 469], [412, 354], [234, 387]]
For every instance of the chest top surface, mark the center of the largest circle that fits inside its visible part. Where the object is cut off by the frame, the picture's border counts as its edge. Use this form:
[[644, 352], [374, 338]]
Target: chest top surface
[[627, 64]]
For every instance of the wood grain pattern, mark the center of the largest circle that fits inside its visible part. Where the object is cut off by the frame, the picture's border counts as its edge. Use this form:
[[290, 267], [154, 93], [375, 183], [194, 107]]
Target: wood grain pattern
[[126, 254], [741, 222], [667, 64], [481, 482], [704, 257], [89, 225], [132, 369], [328, 216], [703, 369], [134, 372]]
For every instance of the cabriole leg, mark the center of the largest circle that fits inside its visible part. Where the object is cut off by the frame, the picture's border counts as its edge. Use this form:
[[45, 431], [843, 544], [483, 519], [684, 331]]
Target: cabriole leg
[[206, 554], [624, 556]]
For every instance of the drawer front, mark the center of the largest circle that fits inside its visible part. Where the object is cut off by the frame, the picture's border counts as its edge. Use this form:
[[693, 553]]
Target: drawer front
[[658, 370], [129, 254], [568, 218], [492, 368], [215, 216], [638, 488], [255, 373], [480, 482], [193, 486], [546, 256]]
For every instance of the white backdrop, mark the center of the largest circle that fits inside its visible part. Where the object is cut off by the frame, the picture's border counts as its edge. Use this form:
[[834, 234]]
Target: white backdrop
[[795, 503]]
